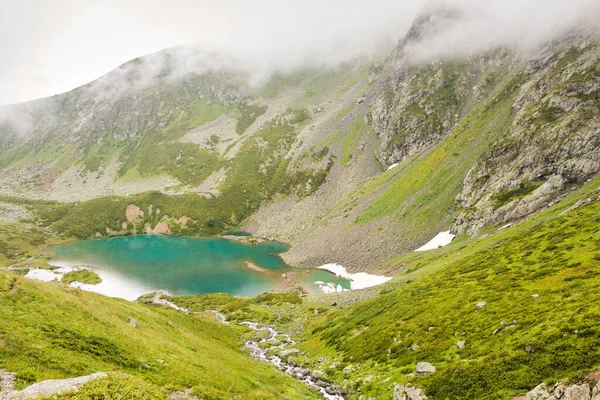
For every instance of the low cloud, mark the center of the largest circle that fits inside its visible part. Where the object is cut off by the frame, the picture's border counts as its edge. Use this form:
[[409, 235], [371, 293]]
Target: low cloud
[[524, 26], [56, 48]]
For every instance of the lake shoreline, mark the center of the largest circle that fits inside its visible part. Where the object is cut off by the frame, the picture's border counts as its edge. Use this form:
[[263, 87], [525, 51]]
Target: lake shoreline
[[119, 280]]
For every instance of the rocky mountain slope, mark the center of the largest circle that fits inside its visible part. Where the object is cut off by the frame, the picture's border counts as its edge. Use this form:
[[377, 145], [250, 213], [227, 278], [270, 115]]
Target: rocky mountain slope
[[475, 142], [359, 165]]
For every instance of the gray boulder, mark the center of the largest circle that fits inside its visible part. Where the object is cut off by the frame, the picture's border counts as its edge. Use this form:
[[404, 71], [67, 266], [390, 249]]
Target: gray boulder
[[577, 392], [50, 387], [540, 392], [424, 368], [596, 392], [408, 392]]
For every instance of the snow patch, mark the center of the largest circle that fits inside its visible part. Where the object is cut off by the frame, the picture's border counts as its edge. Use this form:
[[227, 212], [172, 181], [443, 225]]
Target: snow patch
[[359, 280], [440, 240], [329, 287]]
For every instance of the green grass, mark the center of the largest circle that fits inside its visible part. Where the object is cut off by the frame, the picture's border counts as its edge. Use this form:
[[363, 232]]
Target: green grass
[[505, 196], [50, 331], [352, 139], [18, 241], [422, 193], [113, 387], [248, 114], [81, 275], [553, 336]]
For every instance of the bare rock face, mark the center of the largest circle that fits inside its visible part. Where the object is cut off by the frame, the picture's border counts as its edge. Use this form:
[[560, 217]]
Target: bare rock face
[[596, 392], [552, 143], [409, 115], [408, 392], [7, 380]]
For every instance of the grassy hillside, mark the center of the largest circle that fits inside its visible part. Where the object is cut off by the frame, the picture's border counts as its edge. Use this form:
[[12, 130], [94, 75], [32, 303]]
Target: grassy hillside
[[540, 281], [50, 331]]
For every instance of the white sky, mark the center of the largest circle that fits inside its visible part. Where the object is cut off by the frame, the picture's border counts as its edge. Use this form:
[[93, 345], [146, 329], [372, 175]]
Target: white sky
[[51, 46]]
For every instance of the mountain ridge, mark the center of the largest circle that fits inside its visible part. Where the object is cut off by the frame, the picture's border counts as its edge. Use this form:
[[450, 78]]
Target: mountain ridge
[[357, 165]]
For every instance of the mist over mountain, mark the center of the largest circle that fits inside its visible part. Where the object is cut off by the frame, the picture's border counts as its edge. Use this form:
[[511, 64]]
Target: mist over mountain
[[68, 44], [415, 187]]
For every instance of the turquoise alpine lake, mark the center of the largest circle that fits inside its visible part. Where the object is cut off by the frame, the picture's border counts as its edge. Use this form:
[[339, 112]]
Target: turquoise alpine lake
[[184, 265]]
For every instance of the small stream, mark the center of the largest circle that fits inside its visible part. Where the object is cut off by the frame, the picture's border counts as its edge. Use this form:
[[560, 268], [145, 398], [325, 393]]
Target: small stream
[[280, 341]]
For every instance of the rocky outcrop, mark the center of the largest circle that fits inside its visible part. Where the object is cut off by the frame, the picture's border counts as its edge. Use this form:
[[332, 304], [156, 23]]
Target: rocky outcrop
[[50, 387], [552, 144], [418, 106], [564, 391], [408, 392], [7, 380]]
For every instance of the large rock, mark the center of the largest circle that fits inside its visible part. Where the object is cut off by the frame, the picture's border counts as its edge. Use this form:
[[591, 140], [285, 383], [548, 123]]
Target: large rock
[[596, 392], [50, 387], [577, 392], [7, 380], [408, 392], [424, 368], [540, 392], [561, 391]]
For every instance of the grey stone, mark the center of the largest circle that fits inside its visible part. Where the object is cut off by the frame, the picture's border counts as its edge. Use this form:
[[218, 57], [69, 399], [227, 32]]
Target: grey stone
[[461, 344], [596, 392], [334, 365], [559, 389], [7, 380], [481, 304], [424, 368], [369, 378], [348, 369], [577, 392], [540, 392], [320, 375], [133, 322], [50, 387], [288, 352], [408, 392]]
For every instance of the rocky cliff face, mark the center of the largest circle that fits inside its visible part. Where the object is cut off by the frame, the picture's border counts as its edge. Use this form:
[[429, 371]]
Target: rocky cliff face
[[421, 102], [479, 141], [553, 143]]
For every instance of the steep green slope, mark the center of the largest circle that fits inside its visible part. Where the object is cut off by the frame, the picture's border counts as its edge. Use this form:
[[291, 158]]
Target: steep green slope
[[425, 193], [540, 281], [52, 331]]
